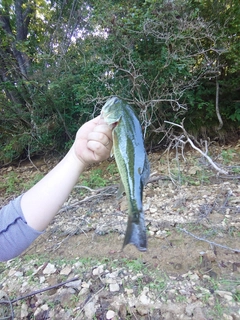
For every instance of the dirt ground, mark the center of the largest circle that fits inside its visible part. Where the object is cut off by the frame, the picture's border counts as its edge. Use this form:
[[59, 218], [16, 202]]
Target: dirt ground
[[192, 215]]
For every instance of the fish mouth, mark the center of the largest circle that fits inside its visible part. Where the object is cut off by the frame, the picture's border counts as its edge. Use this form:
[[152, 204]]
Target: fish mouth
[[107, 120]]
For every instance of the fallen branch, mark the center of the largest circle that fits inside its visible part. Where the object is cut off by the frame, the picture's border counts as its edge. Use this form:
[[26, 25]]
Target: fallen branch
[[89, 300], [208, 241], [100, 192], [43, 290], [196, 148], [76, 204]]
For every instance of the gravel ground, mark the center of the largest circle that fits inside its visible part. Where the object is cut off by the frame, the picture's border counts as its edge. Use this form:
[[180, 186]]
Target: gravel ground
[[77, 269]]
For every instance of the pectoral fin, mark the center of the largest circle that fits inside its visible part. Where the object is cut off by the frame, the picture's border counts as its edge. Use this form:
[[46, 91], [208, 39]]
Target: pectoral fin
[[121, 190]]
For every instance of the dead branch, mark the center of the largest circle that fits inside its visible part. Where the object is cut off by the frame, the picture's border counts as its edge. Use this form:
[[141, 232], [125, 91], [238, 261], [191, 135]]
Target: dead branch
[[217, 105], [208, 241], [100, 192], [196, 148], [89, 300], [41, 290]]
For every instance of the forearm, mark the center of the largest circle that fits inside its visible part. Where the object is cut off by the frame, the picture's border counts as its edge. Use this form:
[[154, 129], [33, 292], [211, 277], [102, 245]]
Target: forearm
[[43, 201]]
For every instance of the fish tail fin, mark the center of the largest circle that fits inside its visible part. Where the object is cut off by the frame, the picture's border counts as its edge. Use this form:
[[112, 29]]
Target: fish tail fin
[[136, 233]]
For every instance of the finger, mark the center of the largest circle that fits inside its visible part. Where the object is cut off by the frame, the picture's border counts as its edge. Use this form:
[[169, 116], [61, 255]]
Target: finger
[[104, 129], [100, 152], [100, 137]]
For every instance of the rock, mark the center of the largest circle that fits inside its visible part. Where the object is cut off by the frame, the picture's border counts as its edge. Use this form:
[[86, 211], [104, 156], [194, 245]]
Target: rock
[[198, 314], [110, 314], [66, 270], [64, 296], [83, 291], [114, 287], [142, 309], [153, 209], [227, 317], [44, 307], [50, 268], [161, 234], [210, 255], [41, 311], [190, 308], [98, 271], [24, 310], [89, 310], [193, 277], [11, 272], [143, 298], [176, 308], [129, 291], [85, 285], [74, 284], [225, 295]]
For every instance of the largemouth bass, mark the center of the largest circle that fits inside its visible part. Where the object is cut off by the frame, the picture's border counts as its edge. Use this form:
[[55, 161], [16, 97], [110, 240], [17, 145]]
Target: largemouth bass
[[132, 163]]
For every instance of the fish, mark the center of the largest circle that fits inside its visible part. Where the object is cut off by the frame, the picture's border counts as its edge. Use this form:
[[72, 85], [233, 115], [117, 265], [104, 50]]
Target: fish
[[133, 165]]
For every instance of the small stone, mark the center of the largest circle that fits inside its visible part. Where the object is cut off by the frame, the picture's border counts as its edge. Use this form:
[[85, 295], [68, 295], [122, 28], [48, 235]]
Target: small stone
[[144, 299], [83, 291], [98, 271], [225, 295], [74, 284], [44, 307], [113, 287], [90, 309], [11, 272], [129, 291], [153, 209], [161, 234], [190, 308], [24, 311], [66, 271], [143, 309], [42, 279], [37, 311], [85, 285], [193, 277], [50, 268], [227, 317], [198, 314], [110, 314], [210, 255]]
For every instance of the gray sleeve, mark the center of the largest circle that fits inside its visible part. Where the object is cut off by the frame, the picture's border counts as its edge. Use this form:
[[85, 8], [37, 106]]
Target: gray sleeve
[[15, 234]]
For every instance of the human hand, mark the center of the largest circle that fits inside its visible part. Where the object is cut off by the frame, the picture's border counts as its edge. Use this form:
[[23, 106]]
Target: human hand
[[93, 141]]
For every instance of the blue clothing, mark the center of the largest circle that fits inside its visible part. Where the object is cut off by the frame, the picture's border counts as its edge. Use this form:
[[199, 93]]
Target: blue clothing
[[15, 234]]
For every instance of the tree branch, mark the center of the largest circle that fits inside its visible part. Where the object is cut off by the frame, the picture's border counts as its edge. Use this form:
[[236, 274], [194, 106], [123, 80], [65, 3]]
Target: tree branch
[[208, 241], [196, 148]]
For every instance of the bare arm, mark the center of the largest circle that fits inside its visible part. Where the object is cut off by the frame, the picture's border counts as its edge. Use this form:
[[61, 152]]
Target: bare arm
[[92, 144]]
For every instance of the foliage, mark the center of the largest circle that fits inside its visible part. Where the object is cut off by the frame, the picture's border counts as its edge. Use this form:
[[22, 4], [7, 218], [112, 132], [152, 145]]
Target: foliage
[[95, 180], [60, 61]]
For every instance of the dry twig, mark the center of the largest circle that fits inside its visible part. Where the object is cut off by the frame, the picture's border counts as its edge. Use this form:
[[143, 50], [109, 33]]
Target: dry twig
[[196, 148], [208, 241]]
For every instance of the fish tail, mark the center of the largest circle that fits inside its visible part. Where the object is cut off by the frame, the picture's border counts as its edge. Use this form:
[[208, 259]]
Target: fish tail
[[136, 233]]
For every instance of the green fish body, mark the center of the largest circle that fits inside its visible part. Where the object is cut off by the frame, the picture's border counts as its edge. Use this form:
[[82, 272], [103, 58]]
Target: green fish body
[[133, 165]]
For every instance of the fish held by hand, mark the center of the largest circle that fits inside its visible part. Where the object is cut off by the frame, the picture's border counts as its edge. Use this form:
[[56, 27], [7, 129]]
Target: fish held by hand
[[132, 163]]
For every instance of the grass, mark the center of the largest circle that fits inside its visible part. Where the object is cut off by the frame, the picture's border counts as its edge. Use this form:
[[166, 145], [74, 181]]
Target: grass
[[15, 183], [227, 155], [95, 179], [139, 276], [198, 177]]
